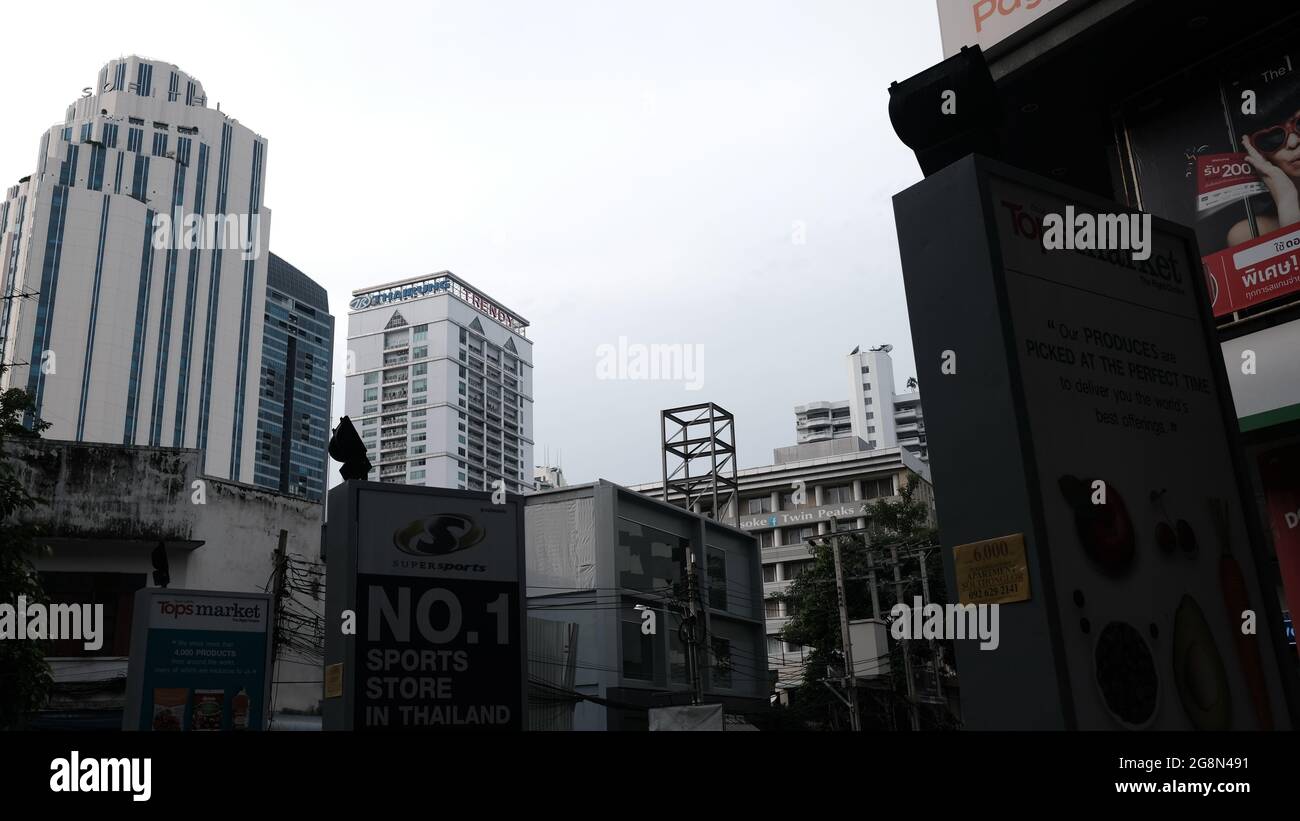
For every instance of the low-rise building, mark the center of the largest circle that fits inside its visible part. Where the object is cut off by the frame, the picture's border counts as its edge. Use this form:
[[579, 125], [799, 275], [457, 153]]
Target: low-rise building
[[615, 563], [103, 512]]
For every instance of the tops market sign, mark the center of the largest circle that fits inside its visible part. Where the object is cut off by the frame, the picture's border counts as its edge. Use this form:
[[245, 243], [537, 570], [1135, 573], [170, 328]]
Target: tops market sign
[[440, 284]]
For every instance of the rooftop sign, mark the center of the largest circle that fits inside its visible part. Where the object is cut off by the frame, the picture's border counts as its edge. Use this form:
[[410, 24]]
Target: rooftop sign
[[443, 283]]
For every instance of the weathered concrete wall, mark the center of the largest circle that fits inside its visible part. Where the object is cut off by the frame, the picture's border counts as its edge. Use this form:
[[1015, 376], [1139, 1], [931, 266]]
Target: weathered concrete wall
[[117, 502], [109, 491]]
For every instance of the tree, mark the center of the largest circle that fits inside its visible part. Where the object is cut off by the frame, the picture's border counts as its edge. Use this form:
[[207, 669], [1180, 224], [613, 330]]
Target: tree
[[813, 607], [25, 680]]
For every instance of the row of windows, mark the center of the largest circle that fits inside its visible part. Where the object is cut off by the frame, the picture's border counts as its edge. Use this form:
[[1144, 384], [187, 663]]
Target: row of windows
[[831, 495]]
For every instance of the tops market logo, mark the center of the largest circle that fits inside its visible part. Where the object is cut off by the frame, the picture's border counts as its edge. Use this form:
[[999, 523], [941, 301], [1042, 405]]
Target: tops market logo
[[438, 535]]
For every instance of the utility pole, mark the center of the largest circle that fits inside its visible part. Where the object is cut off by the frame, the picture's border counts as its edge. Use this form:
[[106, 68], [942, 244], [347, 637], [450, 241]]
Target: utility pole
[[871, 576], [907, 655], [277, 592], [846, 640], [692, 633], [934, 647]]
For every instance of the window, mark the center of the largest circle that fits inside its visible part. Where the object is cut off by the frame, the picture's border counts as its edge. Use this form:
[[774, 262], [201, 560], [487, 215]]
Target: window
[[638, 650], [371, 378], [875, 488], [765, 538], [794, 569], [396, 339], [716, 561], [769, 573], [721, 662], [422, 368], [115, 591], [761, 504], [417, 475], [772, 608], [420, 353], [837, 494], [420, 385], [649, 559], [773, 646], [421, 333], [797, 535], [371, 395], [787, 500]]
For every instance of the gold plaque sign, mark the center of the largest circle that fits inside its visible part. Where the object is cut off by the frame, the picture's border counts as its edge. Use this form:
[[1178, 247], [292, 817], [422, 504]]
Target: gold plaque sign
[[333, 680], [993, 571]]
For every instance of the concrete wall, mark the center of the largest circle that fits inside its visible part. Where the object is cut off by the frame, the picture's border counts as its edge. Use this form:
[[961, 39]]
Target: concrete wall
[[104, 508]]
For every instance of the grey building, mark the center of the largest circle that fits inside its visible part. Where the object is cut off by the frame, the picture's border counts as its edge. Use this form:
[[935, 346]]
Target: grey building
[[598, 552], [293, 414]]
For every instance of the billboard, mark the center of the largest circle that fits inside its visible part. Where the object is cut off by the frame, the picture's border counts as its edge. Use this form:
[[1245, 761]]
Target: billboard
[[200, 661], [1222, 153], [434, 580], [1093, 379], [984, 23]]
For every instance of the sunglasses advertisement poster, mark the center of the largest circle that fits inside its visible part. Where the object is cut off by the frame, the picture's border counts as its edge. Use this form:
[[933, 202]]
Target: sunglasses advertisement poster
[[1225, 158]]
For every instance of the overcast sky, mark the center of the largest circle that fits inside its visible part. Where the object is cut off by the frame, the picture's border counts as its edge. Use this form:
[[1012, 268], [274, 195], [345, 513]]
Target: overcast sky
[[606, 169]]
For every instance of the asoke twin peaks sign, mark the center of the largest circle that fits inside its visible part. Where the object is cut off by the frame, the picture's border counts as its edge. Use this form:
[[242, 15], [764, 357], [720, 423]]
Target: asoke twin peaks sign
[[806, 516]]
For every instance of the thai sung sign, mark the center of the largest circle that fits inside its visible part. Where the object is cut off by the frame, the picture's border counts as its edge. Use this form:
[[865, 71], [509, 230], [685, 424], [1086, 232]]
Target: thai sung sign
[[426, 609], [200, 660], [443, 283]]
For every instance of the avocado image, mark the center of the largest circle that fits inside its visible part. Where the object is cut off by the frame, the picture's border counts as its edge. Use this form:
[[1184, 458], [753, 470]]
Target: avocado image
[[1199, 674]]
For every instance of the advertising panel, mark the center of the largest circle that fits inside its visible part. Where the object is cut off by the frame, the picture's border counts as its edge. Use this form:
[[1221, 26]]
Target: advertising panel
[[1282, 496], [1087, 390], [1223, 154], [1141, 506], [206, 662], [985, 23], [440, 631]]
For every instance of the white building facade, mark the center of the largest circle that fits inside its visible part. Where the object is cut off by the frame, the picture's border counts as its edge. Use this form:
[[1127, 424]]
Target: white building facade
[[440, 385], [873, 412], [141, 239]]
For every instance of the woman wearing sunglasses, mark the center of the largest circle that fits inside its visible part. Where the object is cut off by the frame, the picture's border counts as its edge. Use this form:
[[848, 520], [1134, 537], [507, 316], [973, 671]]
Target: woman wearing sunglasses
[[1275, 153]]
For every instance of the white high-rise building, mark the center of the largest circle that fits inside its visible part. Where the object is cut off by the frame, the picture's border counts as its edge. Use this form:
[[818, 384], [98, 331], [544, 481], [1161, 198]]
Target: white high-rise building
[[440, 385], [873, 413], [141, 332]]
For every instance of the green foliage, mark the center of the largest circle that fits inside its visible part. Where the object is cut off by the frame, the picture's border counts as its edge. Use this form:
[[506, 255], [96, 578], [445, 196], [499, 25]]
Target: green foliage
[[25, 680], [813, 608]]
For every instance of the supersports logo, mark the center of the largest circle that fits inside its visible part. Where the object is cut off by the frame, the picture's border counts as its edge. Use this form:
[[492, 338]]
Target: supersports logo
[[438, 534]]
